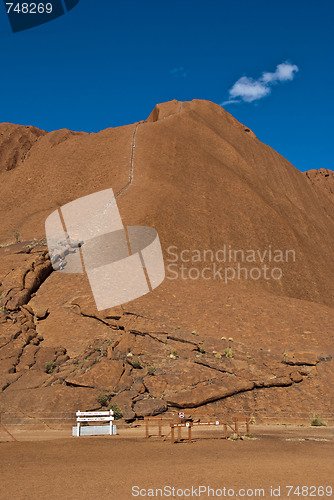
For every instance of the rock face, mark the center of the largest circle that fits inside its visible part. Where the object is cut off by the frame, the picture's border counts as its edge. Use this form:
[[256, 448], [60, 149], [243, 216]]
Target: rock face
[[105, 375], [301, 358], [206, 392], [203, 180], [146, 407], [20, 283], [196, 169], [15, 144], [322, 179]]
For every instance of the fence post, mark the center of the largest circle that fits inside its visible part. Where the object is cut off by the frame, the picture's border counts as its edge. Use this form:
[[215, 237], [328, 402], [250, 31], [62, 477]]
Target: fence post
[[179, 430], [111, 423], [146, 423], [189, 431], [247, 425], [159, 424], [172, 433], [4, 428], [236, 425]]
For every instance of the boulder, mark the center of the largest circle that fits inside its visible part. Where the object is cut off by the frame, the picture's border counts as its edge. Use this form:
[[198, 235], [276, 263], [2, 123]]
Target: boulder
[[149, 407], [206, 392], [27, 360], [59, 399], [6, 379], [104, 375], [43, 356], [277, 382], [296, 376], [301, 358], [29, 380], [40, 312], [124, 402], [156, 385]]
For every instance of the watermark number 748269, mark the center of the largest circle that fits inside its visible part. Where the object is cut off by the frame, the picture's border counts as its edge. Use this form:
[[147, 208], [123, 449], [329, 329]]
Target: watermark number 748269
[[29, 8], [26, 15]]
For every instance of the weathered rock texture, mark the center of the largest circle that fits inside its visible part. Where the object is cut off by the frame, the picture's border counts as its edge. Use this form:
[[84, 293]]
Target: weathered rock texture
[[203, 180]]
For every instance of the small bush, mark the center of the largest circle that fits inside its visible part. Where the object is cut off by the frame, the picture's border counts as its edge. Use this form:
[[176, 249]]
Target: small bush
[[228, 352], [174, 354], [195, 333], [316, 421], [223, 338], [201, 350], [50, 366], [234, 437], [136, 362], [230, 339], [151, 370], [252, 420], [103, 399], [16, 235], [117, 411], [218, 355]]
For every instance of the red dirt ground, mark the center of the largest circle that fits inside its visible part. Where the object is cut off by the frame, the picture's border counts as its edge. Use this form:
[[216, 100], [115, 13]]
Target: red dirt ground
[[108, 467]]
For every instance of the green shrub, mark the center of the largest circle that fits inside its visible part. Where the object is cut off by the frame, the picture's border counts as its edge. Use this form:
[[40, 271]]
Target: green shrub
[[117, 411], [136, 362], [16, 235], [103, 399], [174, 354], [151, 370], [201, 350], [316, 421], [50, 366], [228, 352]]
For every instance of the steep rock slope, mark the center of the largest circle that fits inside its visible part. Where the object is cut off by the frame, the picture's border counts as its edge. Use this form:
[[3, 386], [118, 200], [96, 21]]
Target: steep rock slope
[[203, 180]]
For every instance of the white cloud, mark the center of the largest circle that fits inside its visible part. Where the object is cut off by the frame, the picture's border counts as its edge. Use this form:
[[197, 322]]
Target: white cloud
[[248, 90], [284, 72]]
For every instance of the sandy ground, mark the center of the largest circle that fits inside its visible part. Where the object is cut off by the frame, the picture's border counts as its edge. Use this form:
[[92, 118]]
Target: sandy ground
[[44, 464]]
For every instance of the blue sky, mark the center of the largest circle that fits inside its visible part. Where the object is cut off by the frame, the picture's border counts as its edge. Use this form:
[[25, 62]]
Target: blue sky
[[106, 64]]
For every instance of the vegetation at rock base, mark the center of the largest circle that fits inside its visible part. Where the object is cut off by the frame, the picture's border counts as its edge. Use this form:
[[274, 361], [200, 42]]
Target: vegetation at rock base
[[103, 399], [117, 411], [50, 366], [317, 421], [151, 370], [136, 362], [228, 352]]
